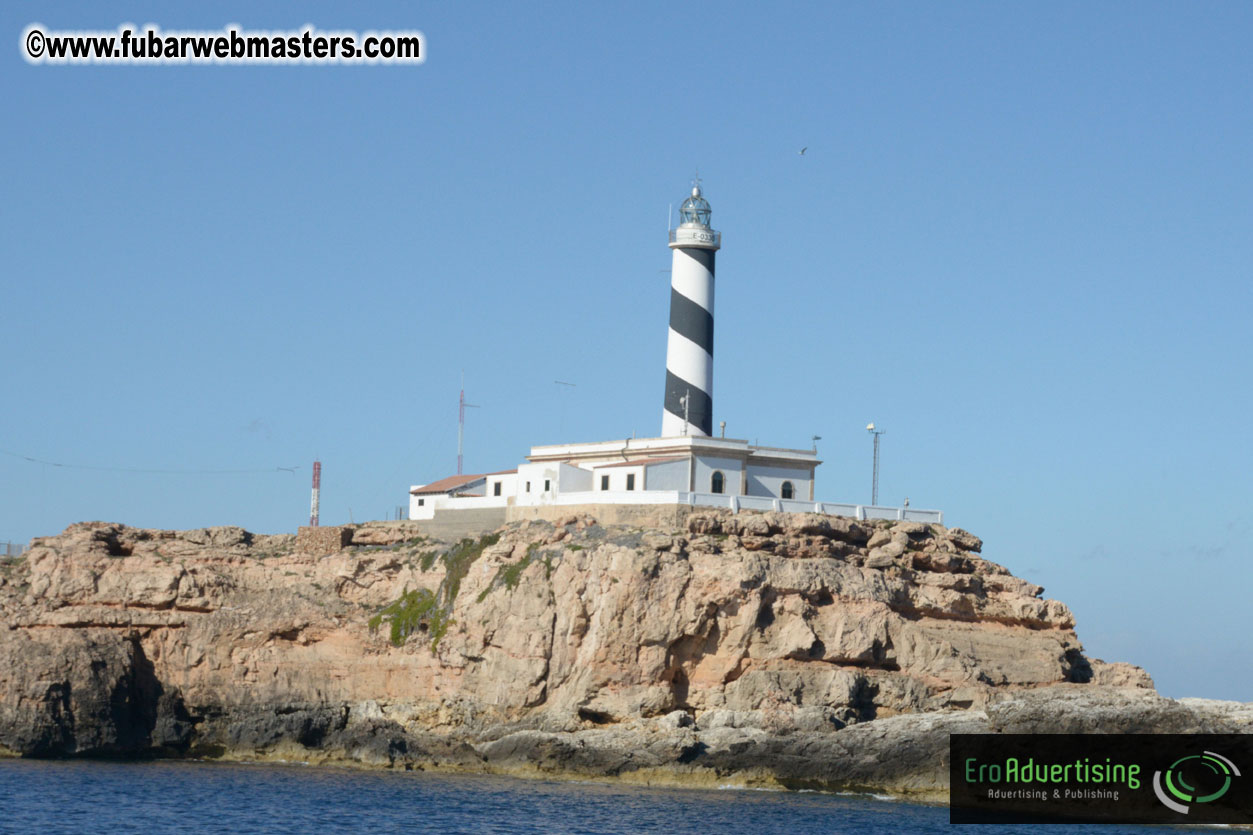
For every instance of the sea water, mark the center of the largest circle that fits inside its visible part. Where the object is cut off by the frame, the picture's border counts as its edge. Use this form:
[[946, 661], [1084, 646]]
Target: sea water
[[180, 796]]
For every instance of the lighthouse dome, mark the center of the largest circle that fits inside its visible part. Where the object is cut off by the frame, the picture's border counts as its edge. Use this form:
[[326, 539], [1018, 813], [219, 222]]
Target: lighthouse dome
[[695, 209]]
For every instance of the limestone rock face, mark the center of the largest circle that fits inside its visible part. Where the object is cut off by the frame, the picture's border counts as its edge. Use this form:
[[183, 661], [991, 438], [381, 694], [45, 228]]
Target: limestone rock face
[[87, 691], [747, 644]]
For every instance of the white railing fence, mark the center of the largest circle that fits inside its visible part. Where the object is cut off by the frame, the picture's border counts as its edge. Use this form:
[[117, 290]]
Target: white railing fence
[[738, 503], [13, 549]]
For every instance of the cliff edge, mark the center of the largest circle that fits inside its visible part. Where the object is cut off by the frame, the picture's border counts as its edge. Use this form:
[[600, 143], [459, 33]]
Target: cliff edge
[[781, 649]]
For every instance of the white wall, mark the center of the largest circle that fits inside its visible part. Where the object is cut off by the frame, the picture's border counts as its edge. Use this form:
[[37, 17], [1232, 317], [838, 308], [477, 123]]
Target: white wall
[[472, 502], [425, 506], [705, 467], [532, 476], [561, 478], [738, 503], [668, 475], [421, 507], [768, 481], [441, 501], [573, 478], [507, 482], [584, 494], [621, 497], [617, 477]]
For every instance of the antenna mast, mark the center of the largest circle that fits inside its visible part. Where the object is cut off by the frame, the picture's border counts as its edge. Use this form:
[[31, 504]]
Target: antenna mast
[[317, 488], [461, 420]]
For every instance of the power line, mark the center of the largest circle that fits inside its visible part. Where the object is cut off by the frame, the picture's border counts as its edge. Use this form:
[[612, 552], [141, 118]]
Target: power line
[[148, 470]]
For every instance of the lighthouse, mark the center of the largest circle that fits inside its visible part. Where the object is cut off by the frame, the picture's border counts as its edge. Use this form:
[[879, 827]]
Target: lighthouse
[[686, 465], [690, 346]]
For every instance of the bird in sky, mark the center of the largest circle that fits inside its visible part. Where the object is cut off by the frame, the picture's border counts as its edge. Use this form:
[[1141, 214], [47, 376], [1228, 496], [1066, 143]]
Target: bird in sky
[[802, 151]]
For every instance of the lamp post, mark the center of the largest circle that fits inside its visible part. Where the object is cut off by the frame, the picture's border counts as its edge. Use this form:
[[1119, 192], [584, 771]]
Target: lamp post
[[874, 484]]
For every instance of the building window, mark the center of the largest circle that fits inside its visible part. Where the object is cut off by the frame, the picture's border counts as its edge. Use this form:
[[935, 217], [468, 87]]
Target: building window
[[496, 488], [421, 502], [528, 487], [604, 482], [718, 482], [788, 490], [630, 481], [547, 485]]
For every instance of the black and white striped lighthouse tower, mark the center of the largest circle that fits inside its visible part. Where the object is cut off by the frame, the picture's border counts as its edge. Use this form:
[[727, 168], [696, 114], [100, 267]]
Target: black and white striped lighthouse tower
[[690, 349]]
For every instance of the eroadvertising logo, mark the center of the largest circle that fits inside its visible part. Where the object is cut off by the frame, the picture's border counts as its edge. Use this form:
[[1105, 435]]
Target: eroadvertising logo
[[1099, 778], [1211, 773]]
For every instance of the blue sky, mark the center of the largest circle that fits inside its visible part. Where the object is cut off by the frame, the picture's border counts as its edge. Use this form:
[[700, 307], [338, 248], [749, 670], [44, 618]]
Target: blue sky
[[1019, 241]]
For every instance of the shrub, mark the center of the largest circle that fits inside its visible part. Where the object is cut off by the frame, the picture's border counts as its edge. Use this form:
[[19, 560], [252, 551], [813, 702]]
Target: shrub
[[459, 560], [413, 610], [421, 609]]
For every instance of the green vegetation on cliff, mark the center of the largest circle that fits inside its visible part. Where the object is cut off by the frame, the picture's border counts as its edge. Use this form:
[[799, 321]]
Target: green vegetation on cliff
[[421, 610], [511, 574], [413, 611], [459, 560]]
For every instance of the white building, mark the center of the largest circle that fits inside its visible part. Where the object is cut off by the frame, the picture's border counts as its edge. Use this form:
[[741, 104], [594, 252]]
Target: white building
[[686, 466], [688, 469]]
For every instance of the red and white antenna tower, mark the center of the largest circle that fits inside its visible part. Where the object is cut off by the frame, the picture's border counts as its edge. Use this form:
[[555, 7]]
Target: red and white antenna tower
[[461, 420], [317, 487]]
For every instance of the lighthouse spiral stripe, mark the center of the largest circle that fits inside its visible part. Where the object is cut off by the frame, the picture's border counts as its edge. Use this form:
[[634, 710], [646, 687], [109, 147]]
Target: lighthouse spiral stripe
[[689, 352], [687, 318]]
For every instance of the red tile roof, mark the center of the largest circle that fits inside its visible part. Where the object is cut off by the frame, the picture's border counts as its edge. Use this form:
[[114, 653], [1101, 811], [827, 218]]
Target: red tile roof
[[452, 482], [446, 485]]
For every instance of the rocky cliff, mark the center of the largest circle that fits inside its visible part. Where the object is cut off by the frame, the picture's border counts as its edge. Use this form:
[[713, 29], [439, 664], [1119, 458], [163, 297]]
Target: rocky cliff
[[752, 648]]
